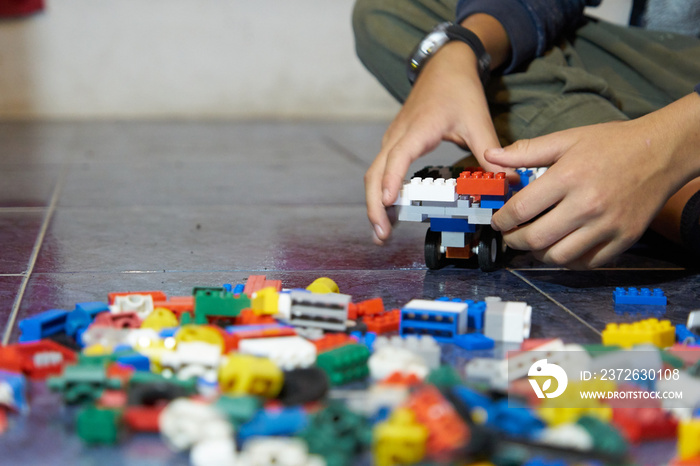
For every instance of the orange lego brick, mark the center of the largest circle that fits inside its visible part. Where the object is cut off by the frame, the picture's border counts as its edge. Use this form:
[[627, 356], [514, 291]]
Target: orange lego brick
[[447, 430], [156, 295], [383, 323], [249, 317], [177, 304], [331, 341], [117, 320], [237, 336], [482, 183], [258, 282], [36, 359], [366, 308], [399, 378]]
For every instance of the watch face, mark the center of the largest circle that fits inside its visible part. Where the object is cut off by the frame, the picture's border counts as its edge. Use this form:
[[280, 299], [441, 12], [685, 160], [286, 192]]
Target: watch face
[[432, 42], [429, 45]]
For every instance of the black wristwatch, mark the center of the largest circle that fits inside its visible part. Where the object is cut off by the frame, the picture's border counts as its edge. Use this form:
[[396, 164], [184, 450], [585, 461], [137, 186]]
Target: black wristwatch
[[442, 34]]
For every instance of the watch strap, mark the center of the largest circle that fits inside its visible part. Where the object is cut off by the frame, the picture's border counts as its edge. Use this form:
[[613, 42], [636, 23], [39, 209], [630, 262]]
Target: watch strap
[[457, 32]]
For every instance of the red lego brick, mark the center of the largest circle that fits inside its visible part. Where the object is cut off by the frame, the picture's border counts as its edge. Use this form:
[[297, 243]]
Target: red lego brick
[[331, 341], [482, 183], [366, 308], [261, 333], [112, 399], [177, 304], [117, 320], [249, 317], [36, 359], [644, 424], [156, 295], [143, 418], [690, 355], [258, 282], [399, 378], [383, 323], [447, 431], [20, 7], [118, 371], [530, 344]]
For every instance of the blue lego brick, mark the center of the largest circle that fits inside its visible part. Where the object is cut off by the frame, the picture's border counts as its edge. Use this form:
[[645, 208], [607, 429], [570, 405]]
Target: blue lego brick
[[452, 224], [366, 339], [18, 386], [473, 341], [492, 202], [238, 289], [139, 362], [539, 461], [442, 320], [227, 287], [475, 315], [245, 328], [685, 336], [643, 296], [525, 176], [514, 419], [168, 332], [82, 316], [286, 421], [43, 325]]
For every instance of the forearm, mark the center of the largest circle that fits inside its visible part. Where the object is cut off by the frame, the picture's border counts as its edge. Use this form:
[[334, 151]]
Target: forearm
[[676, 131]]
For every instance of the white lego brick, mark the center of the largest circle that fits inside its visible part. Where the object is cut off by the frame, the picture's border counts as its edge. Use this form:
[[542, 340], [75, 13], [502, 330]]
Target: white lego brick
[[507, 320], [458, 309], [327, 311], [7, 395], [573, 358], [685, 384], [107, 337], [424, 346], [492, 371], [192, 359], [428, 189], [694, 321], [370, 402], [141, 304], [185, 422], [569, 436], [286, 352], [390, 359], [277, 451], [452, 239], [218, 451]]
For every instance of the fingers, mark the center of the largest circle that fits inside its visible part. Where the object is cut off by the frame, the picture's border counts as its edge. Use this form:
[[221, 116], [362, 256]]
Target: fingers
[[537, 152], [376, 212], [527, 204], [412, 145]]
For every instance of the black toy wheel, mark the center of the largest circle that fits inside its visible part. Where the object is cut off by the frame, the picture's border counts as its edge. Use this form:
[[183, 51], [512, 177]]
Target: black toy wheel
[[434, 259], [491, 249]]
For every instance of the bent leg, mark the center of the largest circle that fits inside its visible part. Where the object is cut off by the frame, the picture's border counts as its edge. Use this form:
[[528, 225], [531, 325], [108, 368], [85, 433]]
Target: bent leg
[[386, 31]]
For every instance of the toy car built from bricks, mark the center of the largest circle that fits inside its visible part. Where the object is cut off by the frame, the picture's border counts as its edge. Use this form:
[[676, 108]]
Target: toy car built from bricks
[[459, 204]]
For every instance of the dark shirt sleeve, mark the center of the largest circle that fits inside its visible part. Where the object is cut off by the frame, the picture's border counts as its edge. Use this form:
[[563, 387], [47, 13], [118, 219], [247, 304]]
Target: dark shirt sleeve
[[532, 25], [697, 88]]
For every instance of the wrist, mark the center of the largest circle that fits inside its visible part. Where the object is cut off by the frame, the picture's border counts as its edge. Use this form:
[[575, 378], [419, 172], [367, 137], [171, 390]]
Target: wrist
[[492, 35]]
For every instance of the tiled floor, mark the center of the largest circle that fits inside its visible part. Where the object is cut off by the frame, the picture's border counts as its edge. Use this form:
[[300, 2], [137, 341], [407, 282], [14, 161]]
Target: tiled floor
[[89, 208]]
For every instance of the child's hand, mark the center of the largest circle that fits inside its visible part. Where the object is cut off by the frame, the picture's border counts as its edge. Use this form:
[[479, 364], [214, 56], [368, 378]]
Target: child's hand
[[447, 103], [605, 185]]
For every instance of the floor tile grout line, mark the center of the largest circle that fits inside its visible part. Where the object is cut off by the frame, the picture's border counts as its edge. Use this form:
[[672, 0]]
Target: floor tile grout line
[[21, 210], [35, 254], [514, 272], [12, 274]]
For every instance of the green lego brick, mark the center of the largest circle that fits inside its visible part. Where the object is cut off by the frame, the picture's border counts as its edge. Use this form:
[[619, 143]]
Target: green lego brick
[[185, 318], [238, 409], [82, 383], [444, 377], [337, 434], [344, 364], [98, 425], [606, 438], [217, 302], [598, 349], [671, 360]]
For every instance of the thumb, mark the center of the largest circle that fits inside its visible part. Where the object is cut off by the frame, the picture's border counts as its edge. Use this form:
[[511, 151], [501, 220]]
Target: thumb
[[537, 152]]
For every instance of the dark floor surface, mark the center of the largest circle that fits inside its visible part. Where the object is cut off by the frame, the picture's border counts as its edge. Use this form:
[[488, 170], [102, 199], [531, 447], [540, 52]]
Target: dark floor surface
[[89, 208]]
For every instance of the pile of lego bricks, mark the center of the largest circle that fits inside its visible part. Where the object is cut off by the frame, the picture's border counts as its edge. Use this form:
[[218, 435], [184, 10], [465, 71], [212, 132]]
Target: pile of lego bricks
[[258, 375]]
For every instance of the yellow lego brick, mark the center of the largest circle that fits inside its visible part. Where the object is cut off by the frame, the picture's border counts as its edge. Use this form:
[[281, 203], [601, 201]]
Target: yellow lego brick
[[203, 333], [323, 285], [399, 440], [265, 301], [160, 318], [689, 438], [568, 407], [243, 373], [659, 333]]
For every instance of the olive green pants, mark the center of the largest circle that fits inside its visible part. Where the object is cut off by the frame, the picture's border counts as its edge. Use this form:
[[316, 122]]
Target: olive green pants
[[602, 72]]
